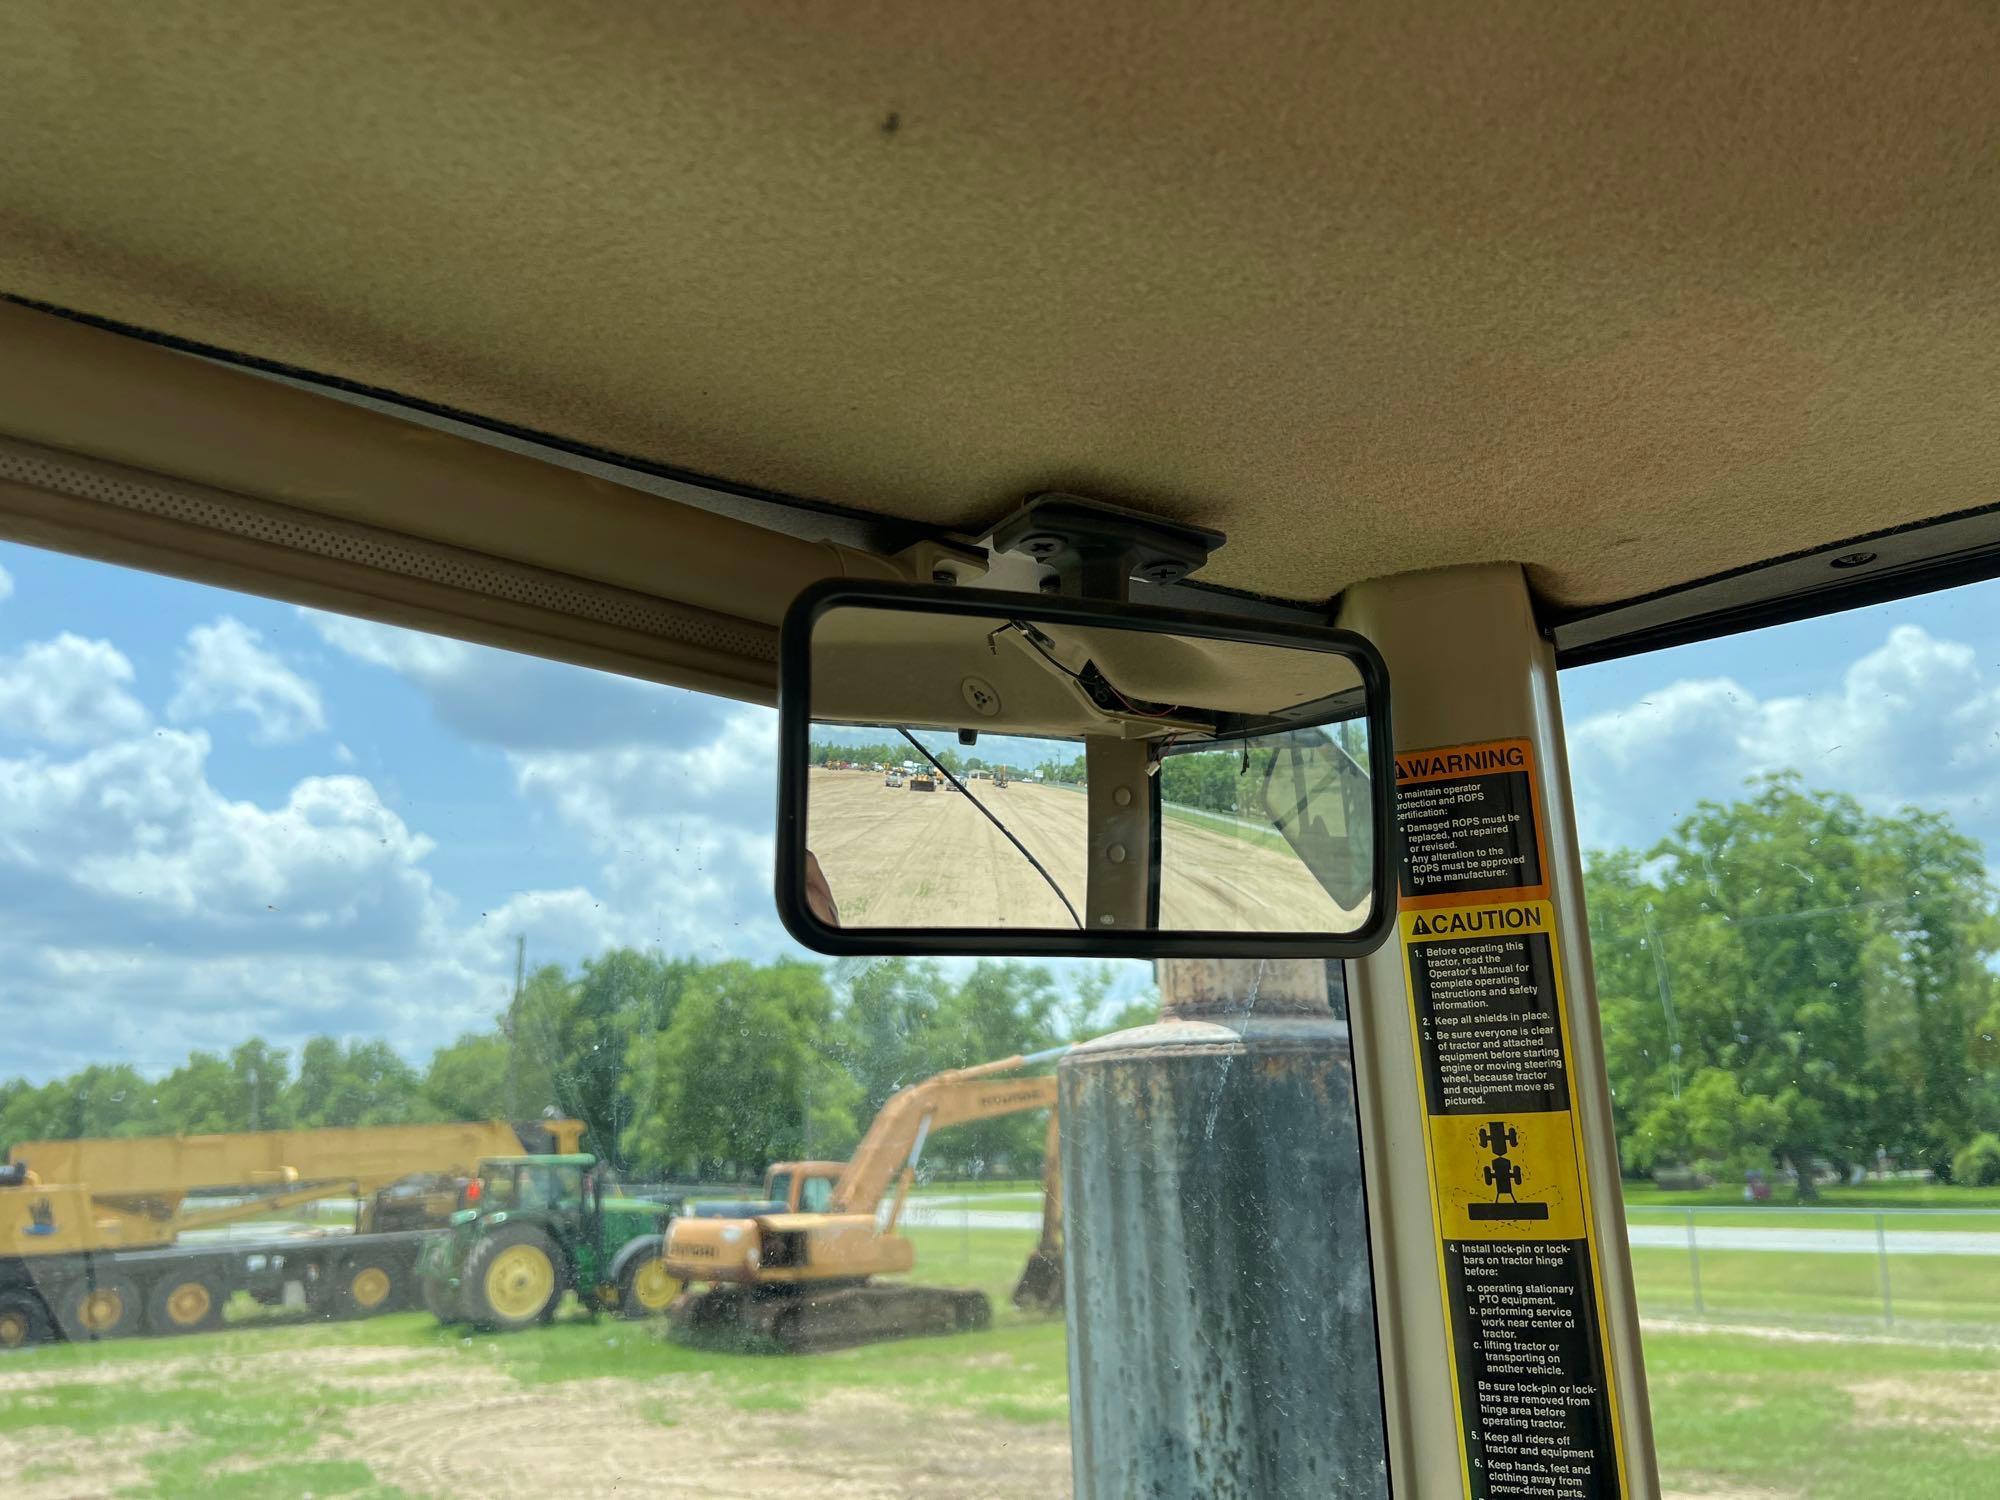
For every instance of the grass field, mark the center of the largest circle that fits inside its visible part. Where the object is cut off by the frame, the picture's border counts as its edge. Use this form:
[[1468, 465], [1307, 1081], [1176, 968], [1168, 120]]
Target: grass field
[[1867, 1196], [400, 1407]]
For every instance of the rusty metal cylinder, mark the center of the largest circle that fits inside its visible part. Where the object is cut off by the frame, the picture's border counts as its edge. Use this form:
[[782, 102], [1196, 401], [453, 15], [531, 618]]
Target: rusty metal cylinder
[[1221, 1309]]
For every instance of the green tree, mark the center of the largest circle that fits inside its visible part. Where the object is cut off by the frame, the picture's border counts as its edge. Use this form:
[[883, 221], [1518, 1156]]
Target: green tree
[[98, 1100], [202, 1097], [1789, 978], [997, 1010], [887, 1035], [468, 1080], [739, 1077], [357, 1083], [585, 1041], [537, 1026], [1080, 1013], [262, 1077]]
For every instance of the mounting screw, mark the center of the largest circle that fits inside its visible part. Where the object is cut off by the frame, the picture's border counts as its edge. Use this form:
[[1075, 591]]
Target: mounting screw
[[1853, 560], [1041, 546], [1162, 572], [943, 575], [1051, 584]]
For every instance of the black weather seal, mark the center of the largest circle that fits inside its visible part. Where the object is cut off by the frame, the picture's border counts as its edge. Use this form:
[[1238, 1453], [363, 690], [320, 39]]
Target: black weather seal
[[1900, 563]]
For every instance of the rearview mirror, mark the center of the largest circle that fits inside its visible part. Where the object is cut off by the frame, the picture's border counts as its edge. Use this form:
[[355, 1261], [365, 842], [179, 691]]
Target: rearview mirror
[[978, 772]]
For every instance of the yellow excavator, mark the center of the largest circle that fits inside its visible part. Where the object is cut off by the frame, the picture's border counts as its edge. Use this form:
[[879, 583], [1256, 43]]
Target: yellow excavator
[[798, 1268]]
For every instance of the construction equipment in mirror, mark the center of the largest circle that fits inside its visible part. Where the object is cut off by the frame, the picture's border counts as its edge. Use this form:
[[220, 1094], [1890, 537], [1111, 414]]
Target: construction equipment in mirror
[[1113, 779], [786, 1273]]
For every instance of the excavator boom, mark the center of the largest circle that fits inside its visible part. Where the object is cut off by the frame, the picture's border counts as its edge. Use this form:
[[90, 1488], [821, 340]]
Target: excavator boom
[[896, 1137]]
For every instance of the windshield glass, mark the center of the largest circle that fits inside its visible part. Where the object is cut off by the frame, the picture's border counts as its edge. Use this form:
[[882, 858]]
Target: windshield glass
[[1789, 849], [778, 1188], [303, 911]]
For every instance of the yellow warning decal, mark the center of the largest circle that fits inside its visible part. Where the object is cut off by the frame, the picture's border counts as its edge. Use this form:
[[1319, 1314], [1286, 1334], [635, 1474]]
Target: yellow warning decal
[[1469, 824]]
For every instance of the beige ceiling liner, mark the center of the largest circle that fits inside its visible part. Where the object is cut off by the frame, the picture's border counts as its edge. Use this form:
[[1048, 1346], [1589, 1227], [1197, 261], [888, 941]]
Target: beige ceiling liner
[[1632, 293]]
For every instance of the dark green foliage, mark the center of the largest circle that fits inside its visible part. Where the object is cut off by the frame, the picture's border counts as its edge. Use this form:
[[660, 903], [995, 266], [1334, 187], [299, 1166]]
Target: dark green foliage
[[1977, 1163], [1790, 978]]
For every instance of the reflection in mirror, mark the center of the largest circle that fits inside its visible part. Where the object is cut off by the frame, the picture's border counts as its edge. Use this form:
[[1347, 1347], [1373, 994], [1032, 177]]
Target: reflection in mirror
[[1274, 830], [1035, 772]]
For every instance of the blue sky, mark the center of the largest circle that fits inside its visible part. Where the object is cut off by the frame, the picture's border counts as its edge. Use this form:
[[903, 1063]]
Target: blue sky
[[221, 815]]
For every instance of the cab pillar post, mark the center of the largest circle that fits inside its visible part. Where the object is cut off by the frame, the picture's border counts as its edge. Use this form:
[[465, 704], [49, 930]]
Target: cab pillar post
[[1467, 665], [1222, 1323]]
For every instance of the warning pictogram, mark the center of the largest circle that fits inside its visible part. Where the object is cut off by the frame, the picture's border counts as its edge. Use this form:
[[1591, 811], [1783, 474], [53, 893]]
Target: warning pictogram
[[1504, 1174]]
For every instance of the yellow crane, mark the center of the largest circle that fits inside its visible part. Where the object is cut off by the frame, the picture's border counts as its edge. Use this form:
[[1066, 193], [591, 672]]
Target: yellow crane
[[103, 1238], [799, 1267]]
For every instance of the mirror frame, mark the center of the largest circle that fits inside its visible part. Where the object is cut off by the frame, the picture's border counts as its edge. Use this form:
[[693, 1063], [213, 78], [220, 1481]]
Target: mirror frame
[[794, 740]]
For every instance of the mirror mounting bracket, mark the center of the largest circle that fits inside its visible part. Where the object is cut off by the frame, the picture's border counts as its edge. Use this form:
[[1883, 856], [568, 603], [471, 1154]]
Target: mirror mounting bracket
[[1096, 550]]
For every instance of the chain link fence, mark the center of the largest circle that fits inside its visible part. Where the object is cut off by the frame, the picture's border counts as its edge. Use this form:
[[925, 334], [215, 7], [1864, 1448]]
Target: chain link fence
[[1925, 1273]]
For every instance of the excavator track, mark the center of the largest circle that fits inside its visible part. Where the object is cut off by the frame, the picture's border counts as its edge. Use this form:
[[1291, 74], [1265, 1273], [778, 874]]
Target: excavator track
[[839, 1317]]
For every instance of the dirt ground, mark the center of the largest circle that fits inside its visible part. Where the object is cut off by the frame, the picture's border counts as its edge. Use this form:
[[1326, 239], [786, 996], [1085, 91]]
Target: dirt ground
[[897, 858], [611, 1437], [1967, 1402], [454, 1428]]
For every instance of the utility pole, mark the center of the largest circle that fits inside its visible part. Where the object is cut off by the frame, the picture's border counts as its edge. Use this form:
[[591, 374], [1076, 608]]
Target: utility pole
[[513, 1026]]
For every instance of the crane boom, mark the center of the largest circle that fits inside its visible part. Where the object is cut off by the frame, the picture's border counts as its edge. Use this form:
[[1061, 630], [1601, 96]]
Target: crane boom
[[132, 1193]]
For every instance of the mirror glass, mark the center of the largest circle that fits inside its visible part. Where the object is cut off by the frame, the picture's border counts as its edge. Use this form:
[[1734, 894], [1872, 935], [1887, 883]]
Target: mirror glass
[[1061, 769]]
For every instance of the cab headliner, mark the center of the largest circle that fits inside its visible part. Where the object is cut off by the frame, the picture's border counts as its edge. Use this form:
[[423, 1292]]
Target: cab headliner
[[1631, 293]]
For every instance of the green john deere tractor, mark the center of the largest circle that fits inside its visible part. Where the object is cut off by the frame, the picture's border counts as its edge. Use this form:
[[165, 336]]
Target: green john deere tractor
[[534, 1227]]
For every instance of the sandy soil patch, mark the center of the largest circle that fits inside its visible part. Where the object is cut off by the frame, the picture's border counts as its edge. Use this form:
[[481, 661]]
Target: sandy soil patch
[[1936, 1402], [612, 1437], [446, 1426], [1784, 1335], [53, 1463], [897, 858], [23, 1373]]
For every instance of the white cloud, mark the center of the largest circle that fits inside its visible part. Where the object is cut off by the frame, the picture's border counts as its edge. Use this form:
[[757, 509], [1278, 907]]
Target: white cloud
[[136, 826], [672, 792], [68, 691], [684, 834], [225, 668], [1915, 721], [150, 914], [6, 585], [342, 756]]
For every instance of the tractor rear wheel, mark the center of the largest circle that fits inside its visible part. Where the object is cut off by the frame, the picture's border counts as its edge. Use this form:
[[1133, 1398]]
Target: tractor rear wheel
[[646, 1288], [439, 1300], [98, 1305], [23, 1321], [185, 1302], [512, 1279]]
